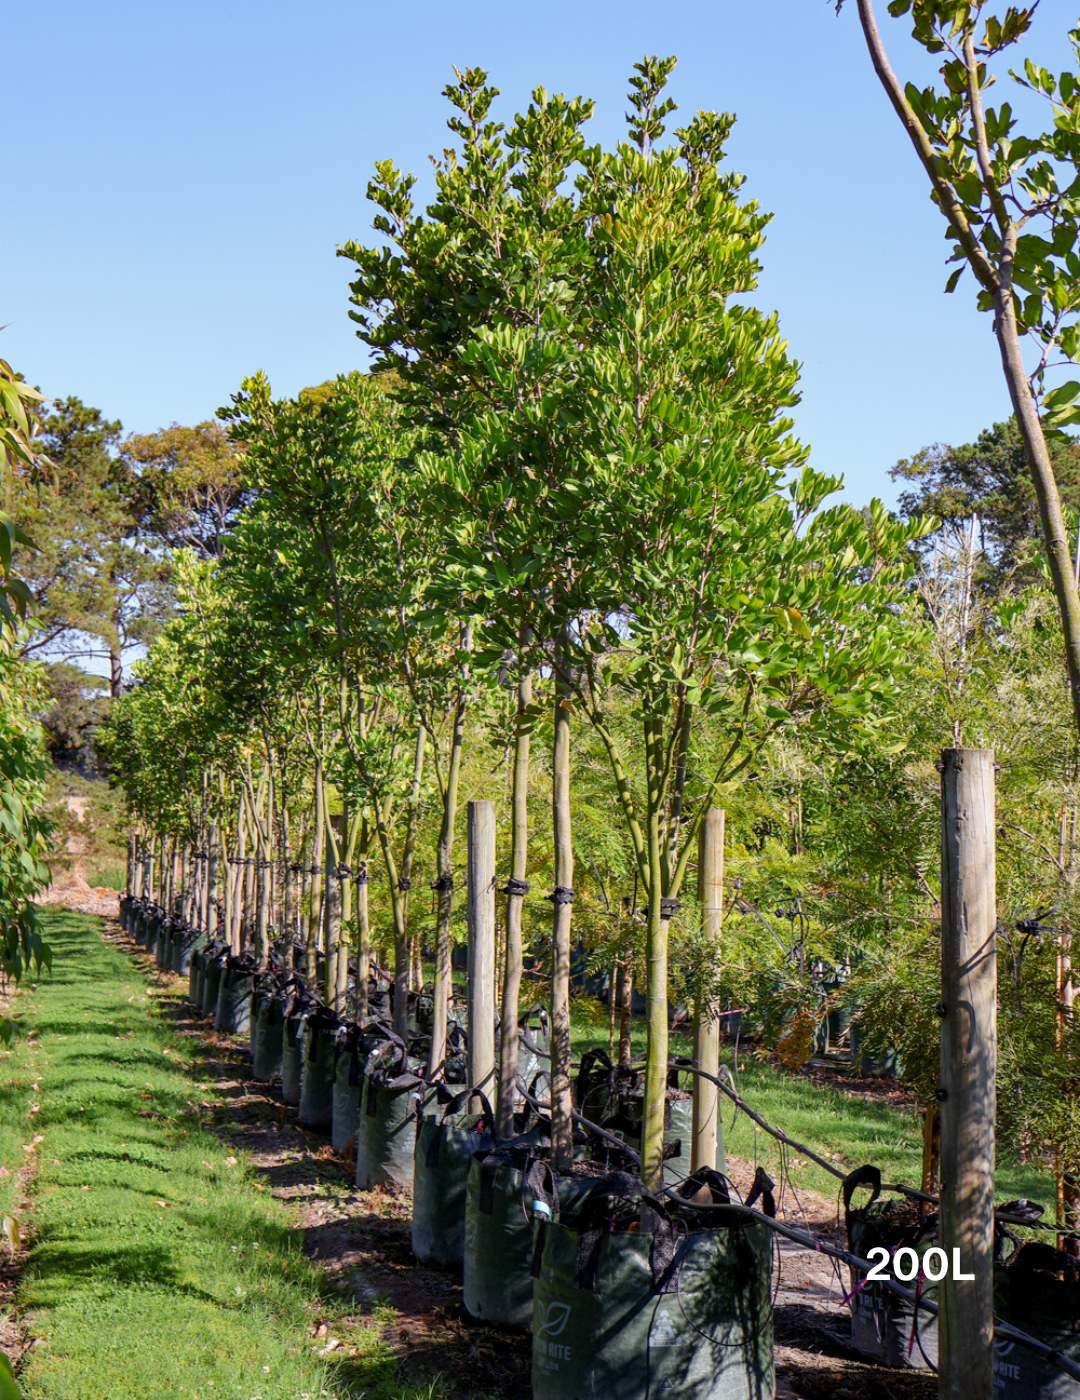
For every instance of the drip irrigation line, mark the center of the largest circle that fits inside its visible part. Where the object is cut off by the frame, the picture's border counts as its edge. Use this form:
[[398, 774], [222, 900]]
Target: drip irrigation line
[[1005, 1217]]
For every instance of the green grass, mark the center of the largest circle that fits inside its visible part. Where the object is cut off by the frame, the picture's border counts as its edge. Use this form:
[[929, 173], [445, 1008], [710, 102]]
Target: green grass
[[836, 1123], [171, 1275]]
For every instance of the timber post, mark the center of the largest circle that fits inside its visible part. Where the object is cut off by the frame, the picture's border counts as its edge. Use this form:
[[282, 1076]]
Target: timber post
[[706, 1021], [967, 1095]]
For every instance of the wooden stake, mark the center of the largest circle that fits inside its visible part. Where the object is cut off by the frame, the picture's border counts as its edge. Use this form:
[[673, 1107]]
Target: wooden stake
[[481, 931], [968, 1066], [706, 1021]]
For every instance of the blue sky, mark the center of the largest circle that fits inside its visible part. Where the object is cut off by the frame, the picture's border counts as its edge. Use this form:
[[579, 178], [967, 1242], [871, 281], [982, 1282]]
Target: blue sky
[[185, 173]]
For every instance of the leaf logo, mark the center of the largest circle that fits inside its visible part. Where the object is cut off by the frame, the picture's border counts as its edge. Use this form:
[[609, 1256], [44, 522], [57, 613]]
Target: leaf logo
[[552, 1320]]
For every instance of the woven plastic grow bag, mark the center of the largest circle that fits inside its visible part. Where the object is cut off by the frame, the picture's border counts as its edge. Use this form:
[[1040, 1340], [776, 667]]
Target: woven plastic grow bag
[[635, 1297], [386, 1136], [213, 971], [185, 942], [319, 1053], [883, 1325], [503, 1188], [292, 1063], [268, 1038], [355, 1047], [446, 1141], [232, 1015], [1038, 1291], [163, 941]]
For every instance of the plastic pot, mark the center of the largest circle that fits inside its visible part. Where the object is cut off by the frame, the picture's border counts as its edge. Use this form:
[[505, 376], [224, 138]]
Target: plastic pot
[[680, 1309]]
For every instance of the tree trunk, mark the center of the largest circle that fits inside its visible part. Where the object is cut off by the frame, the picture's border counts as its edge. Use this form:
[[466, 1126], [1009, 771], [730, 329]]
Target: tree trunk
[[656, 1014], [444, 887], [363, 925], [562, 1146], [116, 675], [318, 850], [333, 925], [626, 1001], [1055, 538], [515, 903], [401, 900]]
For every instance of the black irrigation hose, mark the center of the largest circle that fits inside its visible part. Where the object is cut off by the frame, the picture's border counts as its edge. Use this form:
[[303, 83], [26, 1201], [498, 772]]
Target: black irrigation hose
[[900, 1190], [1003, 1330]]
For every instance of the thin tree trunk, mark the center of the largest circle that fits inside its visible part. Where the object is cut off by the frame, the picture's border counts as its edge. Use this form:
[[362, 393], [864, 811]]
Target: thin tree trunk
[[318, 849], [515, 897], [656, 1012], [561, 1096], [626, 999], [444, 885], [997, 278]]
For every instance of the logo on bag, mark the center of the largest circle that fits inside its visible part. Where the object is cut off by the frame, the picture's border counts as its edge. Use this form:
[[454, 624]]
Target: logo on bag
[[551, 1321], [663, 1331]]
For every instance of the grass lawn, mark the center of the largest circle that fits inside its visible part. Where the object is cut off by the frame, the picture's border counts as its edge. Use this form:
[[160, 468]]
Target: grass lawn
[[158, 1269]]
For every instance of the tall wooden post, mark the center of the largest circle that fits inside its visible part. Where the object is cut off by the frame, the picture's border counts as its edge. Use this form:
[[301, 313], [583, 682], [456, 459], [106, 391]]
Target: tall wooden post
[[132, 858], [706, 1021], [481, 929], [137, 868], [968, 1066]]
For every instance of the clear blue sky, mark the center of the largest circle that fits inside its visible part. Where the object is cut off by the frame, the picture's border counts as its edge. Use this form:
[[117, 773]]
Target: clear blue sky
[[184, 173]]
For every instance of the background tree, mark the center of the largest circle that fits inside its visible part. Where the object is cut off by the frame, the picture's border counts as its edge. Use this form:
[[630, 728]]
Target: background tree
[[185, 486], [988, 480], [91, 577]]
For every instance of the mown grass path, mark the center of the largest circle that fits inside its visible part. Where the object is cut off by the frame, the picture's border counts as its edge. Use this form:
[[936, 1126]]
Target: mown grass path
[[156, 1268]]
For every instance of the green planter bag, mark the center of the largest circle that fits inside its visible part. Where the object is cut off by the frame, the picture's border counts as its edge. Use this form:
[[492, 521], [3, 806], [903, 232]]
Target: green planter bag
[[291, 1058], [636, 1298], [1029, 1294], [186, 941], [269, 1037], [504, 1187], [195, 979], [356, 1046], [446, 1141], [386, 1136], [232, 1015], [883, 1325], [319, 1052], [213, 971]]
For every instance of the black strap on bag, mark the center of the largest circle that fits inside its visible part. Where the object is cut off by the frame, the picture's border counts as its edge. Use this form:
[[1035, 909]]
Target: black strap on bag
[[452, 1109], [861, 1176], [763, 1187]]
